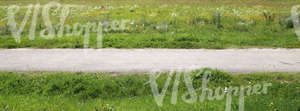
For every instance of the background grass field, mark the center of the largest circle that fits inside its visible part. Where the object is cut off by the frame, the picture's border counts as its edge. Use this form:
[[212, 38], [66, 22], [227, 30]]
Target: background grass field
[[213, 24]]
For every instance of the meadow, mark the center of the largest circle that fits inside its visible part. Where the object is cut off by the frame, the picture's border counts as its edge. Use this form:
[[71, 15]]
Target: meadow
[[188, 24], [166, 24], [57, 91]]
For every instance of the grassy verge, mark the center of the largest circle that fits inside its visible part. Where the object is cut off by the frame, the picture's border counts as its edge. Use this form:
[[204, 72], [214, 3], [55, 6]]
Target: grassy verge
[[103, 92], [176, 24]]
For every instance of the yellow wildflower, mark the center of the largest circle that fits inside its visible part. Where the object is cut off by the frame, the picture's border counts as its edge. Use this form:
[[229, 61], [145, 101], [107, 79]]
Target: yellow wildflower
[[2, 24], [272, 103]]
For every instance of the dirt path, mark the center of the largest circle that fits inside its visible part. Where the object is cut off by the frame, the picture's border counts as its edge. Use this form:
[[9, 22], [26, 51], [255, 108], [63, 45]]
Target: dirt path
[[145, 60]]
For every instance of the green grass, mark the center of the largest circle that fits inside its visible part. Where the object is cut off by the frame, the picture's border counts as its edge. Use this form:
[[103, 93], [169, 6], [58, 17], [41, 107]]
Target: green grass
[[52, 91], [175, 24]]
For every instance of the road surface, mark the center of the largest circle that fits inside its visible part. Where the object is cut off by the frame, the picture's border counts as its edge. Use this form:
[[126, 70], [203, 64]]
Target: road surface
[[146, 60]]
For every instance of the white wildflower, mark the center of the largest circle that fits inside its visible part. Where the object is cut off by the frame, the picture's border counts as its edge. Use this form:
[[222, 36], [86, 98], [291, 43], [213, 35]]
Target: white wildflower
[[241, 23], [174, 14], [152, 14], [132, 23]]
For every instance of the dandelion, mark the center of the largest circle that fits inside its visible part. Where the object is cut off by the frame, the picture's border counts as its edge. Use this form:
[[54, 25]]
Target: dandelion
[[102, 12], [2, 24], [98, 7], [271, 104]]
